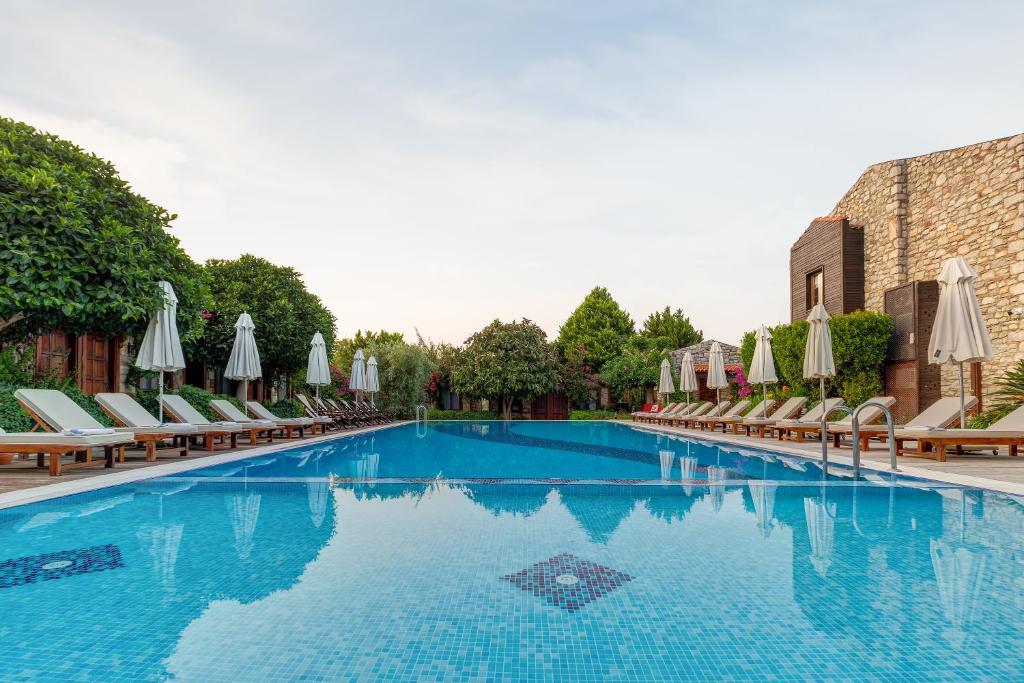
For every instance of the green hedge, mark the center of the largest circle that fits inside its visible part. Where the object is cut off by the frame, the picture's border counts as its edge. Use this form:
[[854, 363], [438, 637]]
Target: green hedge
[[285, 408], [14, 419], [596, 415], [462, 415], [860, 342]]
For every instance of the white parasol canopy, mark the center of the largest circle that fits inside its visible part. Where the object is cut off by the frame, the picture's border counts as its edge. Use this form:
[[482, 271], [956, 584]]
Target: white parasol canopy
[[318, 369], [716, 370], [372, 377], [665, 384], [687, 376], [818, 362], [244, 362], [357, 379], [160, 350], [762, 366], [959, 334]]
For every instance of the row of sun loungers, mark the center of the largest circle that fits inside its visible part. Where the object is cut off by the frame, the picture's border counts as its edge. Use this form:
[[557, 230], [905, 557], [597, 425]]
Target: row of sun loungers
[[68, 429], [928, 432]]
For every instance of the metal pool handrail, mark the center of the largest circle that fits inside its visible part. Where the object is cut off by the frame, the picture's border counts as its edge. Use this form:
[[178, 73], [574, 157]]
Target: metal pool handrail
[[421, 410], [856, 437]]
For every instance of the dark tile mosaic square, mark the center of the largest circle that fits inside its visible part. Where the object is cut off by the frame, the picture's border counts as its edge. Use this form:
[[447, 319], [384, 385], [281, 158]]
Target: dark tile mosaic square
[[58, 565], [567, 581]]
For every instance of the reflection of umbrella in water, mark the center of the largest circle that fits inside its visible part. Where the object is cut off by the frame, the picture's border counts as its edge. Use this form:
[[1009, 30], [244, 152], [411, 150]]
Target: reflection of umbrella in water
[[763, 495], [821, 524], [959, 573], [244, 511], [318, 492], [365, 467], [599, 514], [667, 458], [162, 543], [688, 471], [717, 475], [515, 500]]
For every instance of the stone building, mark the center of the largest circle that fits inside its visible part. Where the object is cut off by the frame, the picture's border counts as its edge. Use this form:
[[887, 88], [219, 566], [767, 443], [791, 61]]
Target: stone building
[[882, 245]]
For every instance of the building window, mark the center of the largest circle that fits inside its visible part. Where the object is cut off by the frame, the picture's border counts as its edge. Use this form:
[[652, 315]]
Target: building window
[[815, 288]]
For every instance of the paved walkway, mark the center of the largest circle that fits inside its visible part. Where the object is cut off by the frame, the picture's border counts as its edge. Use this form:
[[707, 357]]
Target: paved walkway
[[982, 469], [23, 482]]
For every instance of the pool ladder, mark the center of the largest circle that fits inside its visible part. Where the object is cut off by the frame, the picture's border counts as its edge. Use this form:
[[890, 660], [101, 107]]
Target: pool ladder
[[421, 422], [856, 436]]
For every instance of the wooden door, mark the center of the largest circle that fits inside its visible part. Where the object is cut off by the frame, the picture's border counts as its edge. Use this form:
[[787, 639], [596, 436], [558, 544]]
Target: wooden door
[[53, 355], [94, 364]]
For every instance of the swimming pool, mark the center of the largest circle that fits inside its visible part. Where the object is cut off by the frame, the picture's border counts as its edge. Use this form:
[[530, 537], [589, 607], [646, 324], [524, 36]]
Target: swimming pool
[[431, 558]]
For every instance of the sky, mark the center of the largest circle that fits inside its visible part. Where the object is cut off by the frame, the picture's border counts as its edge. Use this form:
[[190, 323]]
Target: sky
[[434, 166]]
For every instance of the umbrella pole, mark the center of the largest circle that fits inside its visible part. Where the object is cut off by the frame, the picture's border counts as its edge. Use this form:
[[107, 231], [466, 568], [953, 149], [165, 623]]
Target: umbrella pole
[[963, 414], [160, 400], [245, 397], [824, 431]]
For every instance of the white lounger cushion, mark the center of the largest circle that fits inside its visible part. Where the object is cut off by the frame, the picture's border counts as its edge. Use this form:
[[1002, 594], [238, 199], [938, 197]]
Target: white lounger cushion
[[56, 439], [228, 411], [59, 411], [262, 412], [183, 410], [129, 412]]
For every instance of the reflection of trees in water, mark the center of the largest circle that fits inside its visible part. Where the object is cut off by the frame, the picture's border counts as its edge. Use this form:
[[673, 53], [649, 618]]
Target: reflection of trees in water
[[598, 512], [671, 504], [500, 499]]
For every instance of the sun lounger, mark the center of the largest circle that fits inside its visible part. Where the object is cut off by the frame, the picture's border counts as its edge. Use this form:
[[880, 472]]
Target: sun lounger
[[53, 411], [663, 410], [654, 409], [56, 445], [680, 420], [938, 415], [288, 425], [673, 409], [871, 414], [712, 422], [735, 420], [935, 443], [126, 411], [691, 421], [318, 419], [756, 426], [182, 411], [681, 410], [811, 417], [257, 426]]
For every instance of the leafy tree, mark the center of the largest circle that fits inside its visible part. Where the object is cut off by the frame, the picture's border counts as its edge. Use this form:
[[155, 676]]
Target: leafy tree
[[506, 361], [345, 349], [674, 326], [599, 325], [81, 251], [635, 369], [403, 370], [285, 313]]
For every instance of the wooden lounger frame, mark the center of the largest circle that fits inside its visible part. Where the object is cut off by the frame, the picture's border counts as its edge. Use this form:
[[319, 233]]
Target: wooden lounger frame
[[83, 456], [936, 446], [209, 435], [149, 439]]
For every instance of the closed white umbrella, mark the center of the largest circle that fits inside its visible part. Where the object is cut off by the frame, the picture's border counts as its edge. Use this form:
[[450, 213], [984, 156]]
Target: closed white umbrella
[[762, 366], [959, 334], [687, 376], [244, 362], [821, 530], [161, 348], [244, 512], [318, 370], [716, 370], [665, 384], [372, 378], [818, 362], [357, 380], [666, 458]]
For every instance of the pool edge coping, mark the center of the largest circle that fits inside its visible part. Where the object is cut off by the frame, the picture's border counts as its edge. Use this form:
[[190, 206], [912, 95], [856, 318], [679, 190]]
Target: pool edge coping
[[59, 489], [966, 480]]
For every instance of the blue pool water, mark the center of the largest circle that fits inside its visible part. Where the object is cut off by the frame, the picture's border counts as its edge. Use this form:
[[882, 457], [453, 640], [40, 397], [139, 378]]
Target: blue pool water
[[426, 562]]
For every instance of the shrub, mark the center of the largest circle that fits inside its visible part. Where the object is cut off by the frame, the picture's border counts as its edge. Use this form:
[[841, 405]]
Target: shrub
[[404, 370], [285, 408], [12, 417], [1009, 397], [461, 415], [987, 418], [596, 415], [860, 342], [200, 400]]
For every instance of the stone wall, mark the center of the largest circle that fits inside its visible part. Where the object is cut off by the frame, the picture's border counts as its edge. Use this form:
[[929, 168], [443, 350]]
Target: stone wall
[[918, 211]]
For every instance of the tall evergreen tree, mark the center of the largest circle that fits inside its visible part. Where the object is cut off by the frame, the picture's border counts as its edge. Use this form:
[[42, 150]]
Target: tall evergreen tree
[[598, 327]]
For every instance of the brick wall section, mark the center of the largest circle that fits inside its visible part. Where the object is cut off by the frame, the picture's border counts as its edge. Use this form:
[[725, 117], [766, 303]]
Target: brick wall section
[[970, 201]]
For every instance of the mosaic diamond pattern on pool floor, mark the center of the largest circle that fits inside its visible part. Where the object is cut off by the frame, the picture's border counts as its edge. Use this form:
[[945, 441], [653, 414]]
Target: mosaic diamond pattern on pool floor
[[22, 570], [568, 582]]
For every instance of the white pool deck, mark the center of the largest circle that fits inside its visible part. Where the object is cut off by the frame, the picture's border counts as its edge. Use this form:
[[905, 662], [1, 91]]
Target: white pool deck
[[997, 473], [977, 470]]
